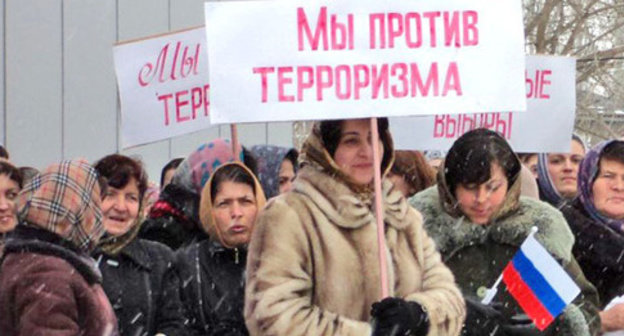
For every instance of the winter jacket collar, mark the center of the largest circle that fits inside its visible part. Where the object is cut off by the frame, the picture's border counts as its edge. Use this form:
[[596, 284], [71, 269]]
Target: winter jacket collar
[[451, 233], [346, 208], [27, 239]]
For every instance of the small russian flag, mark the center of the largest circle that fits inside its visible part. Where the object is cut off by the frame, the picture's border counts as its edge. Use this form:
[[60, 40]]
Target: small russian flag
[[538, 283]]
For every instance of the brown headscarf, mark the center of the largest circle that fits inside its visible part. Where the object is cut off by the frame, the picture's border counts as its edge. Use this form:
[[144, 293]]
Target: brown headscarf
[[206, 214], [64, 199], [314, 153]]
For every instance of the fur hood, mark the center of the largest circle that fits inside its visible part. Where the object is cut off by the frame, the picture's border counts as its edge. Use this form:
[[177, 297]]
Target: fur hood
[[452, 233]]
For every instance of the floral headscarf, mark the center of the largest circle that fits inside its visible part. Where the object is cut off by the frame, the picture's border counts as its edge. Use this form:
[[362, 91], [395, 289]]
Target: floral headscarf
[[269, 163], [196, 169], [588, 170], [65, 199]]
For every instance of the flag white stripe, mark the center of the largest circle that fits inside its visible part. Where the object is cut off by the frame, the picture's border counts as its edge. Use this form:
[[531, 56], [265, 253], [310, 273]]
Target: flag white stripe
[[550, 269]]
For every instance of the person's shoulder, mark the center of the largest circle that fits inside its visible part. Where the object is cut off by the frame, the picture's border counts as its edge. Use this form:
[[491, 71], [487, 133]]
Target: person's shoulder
[[426, 201]]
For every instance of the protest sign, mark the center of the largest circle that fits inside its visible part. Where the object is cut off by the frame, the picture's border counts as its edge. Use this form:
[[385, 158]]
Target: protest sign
[[310, 60], [163, 86], [546, 126]]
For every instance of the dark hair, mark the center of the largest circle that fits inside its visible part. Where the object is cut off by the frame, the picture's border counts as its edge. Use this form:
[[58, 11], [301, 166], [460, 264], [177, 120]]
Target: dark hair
[[6, 168], [613, 151], [118, 169], [471, 157], [414, 169], [249, 159], [579, 140], [231, 173], [173, 164], [525, 157], [28, 173], [292, 156], [331, 131], [3, 153]]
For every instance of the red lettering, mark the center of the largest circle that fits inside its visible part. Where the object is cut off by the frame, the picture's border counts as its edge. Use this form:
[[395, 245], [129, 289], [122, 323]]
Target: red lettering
[[402, 76], [382, 30], [346, 70], [438, 126], [471, 33], [281, 82], [304, 84], [180, 103], [451, 29], [341, 35], [451, 82], [264, 71], [395, 27], [319, 33], [545, 82], [323, 83], [417, 30], [432, 80], [165, 98], [362, 81], [380, 80], [432, 25]]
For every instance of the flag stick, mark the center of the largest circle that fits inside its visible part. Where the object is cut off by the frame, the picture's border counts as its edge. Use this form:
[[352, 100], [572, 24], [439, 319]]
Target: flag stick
[[491, 292], [381, 236], [234, 136]]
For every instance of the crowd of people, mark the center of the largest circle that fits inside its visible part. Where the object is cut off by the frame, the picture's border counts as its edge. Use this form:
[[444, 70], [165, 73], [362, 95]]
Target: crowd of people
[[268, 240]]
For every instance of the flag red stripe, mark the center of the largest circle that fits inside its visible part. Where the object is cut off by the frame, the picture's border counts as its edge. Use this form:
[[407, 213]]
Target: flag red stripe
[[526, 299]]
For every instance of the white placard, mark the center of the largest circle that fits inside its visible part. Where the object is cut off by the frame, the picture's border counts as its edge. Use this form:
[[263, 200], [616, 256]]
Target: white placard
[[163, 86], [279, 60], [546, 126]]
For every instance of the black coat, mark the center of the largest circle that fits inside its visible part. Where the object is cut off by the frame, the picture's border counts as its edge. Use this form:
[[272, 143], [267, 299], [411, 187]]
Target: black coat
[[213, 282], [599, 250], [178, 226], [142, 285]]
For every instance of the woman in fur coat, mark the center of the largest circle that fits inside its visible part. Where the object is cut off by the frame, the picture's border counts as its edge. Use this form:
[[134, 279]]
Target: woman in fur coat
[[478, 220], [313, 265]]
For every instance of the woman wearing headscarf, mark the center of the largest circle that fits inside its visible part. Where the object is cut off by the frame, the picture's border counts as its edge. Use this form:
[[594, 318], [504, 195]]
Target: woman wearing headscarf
[[213, 270], [411, 173], [557, 174], [277, 168], [139, 277], [596, 218], [10, 186], [478, 220], [313, 266], [48, 283], [174, 218]]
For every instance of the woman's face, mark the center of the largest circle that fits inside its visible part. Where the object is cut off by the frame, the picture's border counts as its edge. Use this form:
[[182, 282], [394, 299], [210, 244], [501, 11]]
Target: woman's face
[[8, 193], [400, 184], [531, 163], [480, 201], [608, 189], [235, 210], [121, 208], [563, 169], [354, 154], [286, 176]]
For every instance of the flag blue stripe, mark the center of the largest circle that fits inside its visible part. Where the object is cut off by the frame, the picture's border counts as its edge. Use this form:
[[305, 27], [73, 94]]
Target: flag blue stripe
[[538, 284]]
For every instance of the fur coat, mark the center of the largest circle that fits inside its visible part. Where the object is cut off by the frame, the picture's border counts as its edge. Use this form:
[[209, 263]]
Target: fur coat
[[313, 267], [477, 254]]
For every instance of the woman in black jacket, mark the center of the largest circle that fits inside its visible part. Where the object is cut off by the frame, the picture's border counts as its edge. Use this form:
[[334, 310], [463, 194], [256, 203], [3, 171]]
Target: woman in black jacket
[[596, 218], [139, 278], [213, 271]]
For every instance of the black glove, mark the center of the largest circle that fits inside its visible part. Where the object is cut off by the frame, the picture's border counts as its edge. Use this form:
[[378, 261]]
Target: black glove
[[520, 325], [395, 316], [482, 319]]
